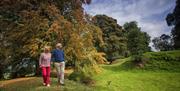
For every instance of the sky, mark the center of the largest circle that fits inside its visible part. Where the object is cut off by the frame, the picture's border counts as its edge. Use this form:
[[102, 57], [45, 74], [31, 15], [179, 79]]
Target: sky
[[150, 14]]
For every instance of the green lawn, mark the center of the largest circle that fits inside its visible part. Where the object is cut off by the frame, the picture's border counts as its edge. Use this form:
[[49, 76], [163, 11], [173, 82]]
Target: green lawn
[[137, 81], [115, 77], [121, 77]]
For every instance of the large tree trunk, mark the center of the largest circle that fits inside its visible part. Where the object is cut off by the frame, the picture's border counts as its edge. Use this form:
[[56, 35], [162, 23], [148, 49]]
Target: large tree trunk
[[1, 72]]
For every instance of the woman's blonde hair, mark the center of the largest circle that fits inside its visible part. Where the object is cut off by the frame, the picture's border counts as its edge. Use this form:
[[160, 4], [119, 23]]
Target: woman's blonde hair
[[47, 48]]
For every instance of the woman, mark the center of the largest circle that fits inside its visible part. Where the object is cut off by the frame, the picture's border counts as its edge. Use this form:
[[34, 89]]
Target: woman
[[44, 63]]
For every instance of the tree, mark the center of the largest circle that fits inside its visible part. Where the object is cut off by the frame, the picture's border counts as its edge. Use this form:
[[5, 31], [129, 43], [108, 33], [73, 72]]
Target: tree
[[113, 36], [163, 43], [174, 19], [138, 42], [28, 25]]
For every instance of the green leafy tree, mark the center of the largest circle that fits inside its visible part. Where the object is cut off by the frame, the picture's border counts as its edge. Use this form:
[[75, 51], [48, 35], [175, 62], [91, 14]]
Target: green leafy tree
[[138, 41], [174, 19], [113, 36], [163, 43]]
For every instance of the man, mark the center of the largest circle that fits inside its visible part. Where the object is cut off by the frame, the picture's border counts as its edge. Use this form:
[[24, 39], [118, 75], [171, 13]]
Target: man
[[58, 59]]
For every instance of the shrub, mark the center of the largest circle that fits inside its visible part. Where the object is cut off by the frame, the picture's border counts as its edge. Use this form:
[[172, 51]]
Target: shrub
[[139, 60], [75, 76], [169, 61], [81, 77], [24, 68]]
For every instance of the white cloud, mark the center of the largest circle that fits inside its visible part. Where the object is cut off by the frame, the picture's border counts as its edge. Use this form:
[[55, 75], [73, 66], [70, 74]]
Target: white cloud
[[150, 14], [155, 29], [134, 10]]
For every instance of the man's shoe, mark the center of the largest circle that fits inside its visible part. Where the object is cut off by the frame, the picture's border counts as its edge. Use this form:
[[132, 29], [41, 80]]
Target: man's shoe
[[62, 84]]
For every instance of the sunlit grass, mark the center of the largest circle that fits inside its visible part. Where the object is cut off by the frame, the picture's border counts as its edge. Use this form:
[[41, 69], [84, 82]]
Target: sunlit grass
[[137, 81], [116, 78]]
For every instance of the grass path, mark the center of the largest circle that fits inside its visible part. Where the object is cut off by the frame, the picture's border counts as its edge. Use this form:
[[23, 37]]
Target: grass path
[[35, 84]]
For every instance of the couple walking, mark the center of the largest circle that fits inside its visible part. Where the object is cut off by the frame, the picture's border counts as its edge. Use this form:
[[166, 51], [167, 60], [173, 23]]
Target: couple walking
[[56, 57]]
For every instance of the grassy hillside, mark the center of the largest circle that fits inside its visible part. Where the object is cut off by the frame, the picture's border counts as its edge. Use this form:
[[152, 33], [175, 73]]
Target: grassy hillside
[[120, 76], [167, 61], [123, 77]]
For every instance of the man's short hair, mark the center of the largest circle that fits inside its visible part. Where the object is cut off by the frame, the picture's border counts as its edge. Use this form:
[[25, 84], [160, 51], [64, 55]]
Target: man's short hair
[[59, 45]]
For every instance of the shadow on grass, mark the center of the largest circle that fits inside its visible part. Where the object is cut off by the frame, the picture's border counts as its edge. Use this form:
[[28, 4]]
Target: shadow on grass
[[125, 66]]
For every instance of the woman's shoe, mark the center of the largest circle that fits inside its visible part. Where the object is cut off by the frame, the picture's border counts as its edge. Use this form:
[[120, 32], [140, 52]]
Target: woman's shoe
[[48, 85]]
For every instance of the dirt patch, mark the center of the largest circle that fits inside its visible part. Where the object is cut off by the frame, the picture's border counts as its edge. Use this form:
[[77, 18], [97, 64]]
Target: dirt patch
[[6, 82]]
